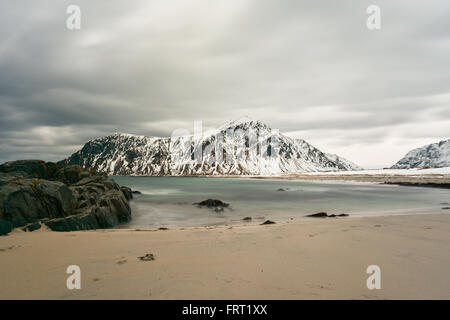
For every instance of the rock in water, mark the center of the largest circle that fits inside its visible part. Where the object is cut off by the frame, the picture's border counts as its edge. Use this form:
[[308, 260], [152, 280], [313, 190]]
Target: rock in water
[[63, 198], [127, 192], [325, 215], [318, 215], [267, 222], [212, 203]]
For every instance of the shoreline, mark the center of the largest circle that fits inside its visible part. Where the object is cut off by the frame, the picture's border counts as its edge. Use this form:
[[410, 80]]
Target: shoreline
[[302, 259], [414, 179]]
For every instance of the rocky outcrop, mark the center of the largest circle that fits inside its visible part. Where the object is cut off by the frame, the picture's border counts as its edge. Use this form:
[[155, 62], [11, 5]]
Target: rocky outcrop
[[63, 198], [326, 215], [5, 227], [267, 222], [212, 203]]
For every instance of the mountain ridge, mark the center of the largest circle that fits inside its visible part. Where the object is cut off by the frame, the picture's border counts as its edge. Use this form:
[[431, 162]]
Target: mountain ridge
[[432, 155], [239, 147]]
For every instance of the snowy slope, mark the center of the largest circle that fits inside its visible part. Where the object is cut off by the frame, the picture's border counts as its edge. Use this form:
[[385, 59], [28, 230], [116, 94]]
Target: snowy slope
[[432, 155], [347, 164], [242, 147]]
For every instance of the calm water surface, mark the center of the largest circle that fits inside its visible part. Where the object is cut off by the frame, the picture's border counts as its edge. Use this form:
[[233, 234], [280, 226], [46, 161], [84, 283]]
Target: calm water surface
[[167, 201]]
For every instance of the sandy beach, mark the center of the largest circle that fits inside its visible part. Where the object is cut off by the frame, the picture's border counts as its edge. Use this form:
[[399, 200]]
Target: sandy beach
[[300, 259]]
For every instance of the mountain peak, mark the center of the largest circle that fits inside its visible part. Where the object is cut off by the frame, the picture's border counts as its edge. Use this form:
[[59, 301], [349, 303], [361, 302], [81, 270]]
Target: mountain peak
[[243, 122]]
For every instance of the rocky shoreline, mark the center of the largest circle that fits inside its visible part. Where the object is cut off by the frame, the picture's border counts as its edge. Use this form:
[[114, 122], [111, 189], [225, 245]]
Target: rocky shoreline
[[64, 198]]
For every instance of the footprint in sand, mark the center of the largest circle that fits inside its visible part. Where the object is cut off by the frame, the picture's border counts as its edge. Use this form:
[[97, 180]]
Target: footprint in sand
[[121, 262]]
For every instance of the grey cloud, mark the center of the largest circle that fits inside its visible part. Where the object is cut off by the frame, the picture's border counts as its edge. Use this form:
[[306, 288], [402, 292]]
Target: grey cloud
[[308, 68]]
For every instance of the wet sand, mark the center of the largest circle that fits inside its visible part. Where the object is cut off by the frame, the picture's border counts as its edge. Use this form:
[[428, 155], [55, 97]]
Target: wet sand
[[301, 259]]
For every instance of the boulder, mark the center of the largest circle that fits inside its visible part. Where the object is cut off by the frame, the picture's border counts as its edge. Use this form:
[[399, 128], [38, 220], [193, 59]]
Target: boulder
[[84, 221], [325, 215], [5, 227], [28, 200], [127, 192], [31, 168], [63, 198], [318, 215], [32, 227], [212, 203]]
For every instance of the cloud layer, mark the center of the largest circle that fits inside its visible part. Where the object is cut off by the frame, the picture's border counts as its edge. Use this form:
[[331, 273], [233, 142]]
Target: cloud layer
[[308, 68]]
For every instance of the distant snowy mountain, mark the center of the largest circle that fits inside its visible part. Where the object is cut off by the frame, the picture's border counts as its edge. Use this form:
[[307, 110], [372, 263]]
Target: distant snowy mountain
[[347, 164], [242, 147], [432, 155]]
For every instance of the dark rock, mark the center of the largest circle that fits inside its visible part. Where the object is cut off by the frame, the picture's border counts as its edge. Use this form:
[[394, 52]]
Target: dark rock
[[337, 215], [267, 222], [28, 200], [318, 215], [63, 198], [247, 219], [74, 222], [163, 228], [5, 227], [32, 227], [46, 170], [127, 192], [281, 189], [325, 215], [136, 192], [443, 185], [212, 203], [31, 168], [147, 257], [446, 208]]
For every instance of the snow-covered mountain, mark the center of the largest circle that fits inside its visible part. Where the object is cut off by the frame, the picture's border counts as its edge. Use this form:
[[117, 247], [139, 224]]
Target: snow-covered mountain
[[347, 164], [242, 147], [432, 155]]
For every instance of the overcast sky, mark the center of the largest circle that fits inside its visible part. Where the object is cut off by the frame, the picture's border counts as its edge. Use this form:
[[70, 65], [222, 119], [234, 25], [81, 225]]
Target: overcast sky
[[311, 69]]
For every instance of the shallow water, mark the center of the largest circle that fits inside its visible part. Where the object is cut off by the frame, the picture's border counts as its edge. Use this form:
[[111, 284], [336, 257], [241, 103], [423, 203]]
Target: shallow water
[[167, 201]]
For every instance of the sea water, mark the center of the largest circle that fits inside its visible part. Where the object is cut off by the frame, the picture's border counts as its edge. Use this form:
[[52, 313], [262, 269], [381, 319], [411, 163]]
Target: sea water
[[168, 201]]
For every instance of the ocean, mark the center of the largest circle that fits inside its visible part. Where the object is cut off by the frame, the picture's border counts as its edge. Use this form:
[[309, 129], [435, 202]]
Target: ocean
[[168, 201]]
